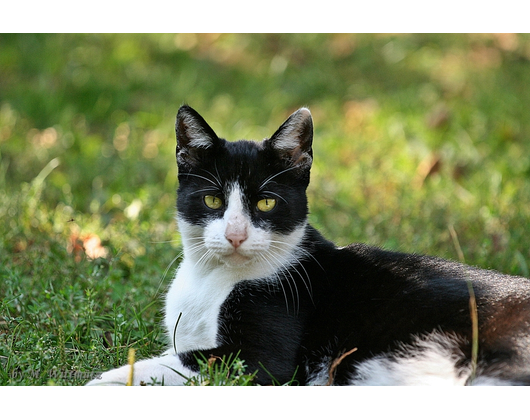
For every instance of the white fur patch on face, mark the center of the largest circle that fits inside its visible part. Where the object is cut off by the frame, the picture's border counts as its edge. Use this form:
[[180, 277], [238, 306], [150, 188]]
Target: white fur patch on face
[[233, 239], [259, 252]]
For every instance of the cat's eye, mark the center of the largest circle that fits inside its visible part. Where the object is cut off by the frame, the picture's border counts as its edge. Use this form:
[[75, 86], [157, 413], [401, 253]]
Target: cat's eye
[[267, 204], [213, 202]]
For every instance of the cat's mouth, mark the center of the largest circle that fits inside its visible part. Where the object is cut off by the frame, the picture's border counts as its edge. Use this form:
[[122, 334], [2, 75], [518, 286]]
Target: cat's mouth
[[236, 259]]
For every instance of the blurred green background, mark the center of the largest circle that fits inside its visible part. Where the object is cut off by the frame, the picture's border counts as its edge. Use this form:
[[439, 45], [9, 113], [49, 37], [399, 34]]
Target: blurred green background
[[421, 145]]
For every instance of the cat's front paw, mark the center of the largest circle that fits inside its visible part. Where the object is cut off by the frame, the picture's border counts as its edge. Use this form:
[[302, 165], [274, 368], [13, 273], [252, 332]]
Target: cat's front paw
[[112, 377], [164, 370]]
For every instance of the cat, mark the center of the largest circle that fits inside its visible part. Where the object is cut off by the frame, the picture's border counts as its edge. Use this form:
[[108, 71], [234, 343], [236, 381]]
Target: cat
[[259, 281]]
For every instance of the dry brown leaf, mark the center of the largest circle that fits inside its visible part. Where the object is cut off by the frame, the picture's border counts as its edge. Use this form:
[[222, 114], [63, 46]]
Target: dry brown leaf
[[88, 244]]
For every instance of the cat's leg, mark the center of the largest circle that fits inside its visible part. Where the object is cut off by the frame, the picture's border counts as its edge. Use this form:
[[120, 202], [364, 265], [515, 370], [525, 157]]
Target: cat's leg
[[164, 370]]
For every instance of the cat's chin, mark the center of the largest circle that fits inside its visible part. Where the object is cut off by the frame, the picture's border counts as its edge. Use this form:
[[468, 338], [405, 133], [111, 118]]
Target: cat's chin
[[235, 260]]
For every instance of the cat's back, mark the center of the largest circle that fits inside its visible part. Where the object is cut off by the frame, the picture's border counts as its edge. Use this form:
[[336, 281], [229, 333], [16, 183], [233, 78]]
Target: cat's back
[[397, 303], [409, 282], [421, 272]]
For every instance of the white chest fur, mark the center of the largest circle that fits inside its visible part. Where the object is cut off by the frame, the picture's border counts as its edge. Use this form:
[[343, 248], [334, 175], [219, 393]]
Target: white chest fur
[[198, 297]]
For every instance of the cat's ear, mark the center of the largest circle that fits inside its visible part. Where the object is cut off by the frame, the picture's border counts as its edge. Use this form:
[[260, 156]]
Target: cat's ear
[[194, 136], [293, 140]]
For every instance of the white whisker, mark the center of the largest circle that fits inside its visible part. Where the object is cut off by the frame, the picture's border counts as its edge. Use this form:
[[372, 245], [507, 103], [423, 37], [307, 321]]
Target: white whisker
[[307, 284], [290, 279], [278, 282], [208, 255], [211, 189], [165, 242], [270, 178], [275, 194], [216, 178], [180, 254], [206, 179]]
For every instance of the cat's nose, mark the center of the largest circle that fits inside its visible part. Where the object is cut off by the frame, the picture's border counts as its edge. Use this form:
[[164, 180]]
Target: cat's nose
[[236, 232], [236, 239]]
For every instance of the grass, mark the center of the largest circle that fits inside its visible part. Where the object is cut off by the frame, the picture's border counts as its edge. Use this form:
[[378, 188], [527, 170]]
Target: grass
[[421, 145]]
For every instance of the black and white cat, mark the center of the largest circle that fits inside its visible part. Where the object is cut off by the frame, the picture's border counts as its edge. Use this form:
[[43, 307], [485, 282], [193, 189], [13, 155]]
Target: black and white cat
[[257, 279]]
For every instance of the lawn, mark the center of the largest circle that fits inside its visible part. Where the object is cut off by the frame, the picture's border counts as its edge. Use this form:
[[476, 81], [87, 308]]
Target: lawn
[[422, 144]]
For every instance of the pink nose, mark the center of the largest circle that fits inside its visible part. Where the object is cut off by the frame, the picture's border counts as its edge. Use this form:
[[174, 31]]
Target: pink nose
[[236, 231], [236, 238]]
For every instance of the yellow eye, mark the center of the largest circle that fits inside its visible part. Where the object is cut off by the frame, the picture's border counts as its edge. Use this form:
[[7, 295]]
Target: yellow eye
[[267, 204], [213, 202]]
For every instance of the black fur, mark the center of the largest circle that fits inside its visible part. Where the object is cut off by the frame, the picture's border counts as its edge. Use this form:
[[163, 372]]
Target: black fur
[[360, 297]]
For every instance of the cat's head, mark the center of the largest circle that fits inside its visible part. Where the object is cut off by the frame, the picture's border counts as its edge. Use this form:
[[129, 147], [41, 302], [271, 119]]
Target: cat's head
[[242, 203]]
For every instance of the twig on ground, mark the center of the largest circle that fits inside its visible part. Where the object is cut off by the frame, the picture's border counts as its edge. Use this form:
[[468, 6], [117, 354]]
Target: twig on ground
[[336, 363]]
